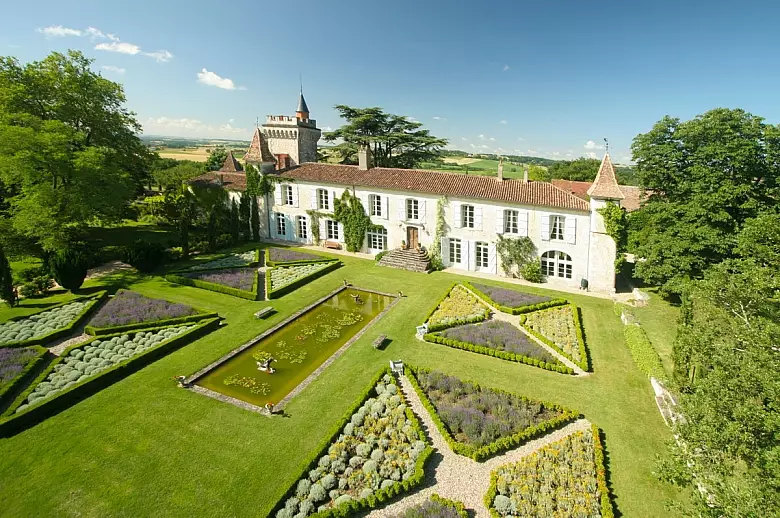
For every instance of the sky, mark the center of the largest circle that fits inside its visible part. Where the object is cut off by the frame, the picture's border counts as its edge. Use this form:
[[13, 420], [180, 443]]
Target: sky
[[541, 78]]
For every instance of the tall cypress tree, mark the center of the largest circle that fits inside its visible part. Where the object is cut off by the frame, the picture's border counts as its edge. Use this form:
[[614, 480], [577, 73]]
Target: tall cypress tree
[[7, 292], [234, 222], [243, 216], [252, 185]]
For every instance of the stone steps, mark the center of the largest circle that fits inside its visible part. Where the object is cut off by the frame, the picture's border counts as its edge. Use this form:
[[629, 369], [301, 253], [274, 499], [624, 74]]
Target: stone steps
[[412, 260]]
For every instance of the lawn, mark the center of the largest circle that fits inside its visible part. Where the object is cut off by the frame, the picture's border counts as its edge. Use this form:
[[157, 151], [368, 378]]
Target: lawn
[[144, 447], [659, 321]]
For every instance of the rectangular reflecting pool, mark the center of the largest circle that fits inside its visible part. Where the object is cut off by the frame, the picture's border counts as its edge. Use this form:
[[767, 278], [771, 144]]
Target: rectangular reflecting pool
[[298, 347]]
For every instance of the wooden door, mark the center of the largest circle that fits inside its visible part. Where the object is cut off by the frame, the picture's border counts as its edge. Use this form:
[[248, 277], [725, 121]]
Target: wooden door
[[411, 237]]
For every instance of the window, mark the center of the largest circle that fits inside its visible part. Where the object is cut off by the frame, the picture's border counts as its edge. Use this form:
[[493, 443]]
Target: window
[[510, 222], [281, 224], [412, 209], [323, 200], [467, 215], [556, 227], [303, 227], [375, 204], [377, 239], [556, 264], [333, 229], [482, 254], [454, 251], [287, 195]]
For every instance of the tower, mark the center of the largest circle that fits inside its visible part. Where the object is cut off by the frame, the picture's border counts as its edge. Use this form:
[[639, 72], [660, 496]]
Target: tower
[[292, 140], [602, 249]]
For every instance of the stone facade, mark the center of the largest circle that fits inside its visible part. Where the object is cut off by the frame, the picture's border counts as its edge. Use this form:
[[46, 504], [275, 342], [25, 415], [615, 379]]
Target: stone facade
[[292, 137]]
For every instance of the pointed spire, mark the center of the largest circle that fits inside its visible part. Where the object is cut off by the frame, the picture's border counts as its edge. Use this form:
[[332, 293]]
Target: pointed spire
[[302, 108], [231, 165], [258, 151], [605, 185]]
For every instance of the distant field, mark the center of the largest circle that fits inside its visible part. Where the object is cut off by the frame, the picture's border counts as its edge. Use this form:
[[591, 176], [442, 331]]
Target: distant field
[[198, 154], [460, 160], [476, 166]]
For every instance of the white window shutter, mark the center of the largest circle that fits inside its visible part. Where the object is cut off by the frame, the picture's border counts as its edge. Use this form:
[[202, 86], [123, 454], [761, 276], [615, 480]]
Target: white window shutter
[[522, 222], [332, 200], [278, 194], [386, 207], [323, 230], [314, 198], [464, 254], [478, 218], [472, 256], [422, 210], [570, 226], [402, 210], [341, 233], [445, 251], [289, 227], [545, 225], [499, 221], [457, 215], [365, 199], [295, 195], [492, 259]]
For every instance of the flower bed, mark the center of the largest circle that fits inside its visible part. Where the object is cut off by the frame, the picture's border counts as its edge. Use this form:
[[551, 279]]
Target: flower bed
[[248, 258], [47, 325], [85, 368], [559, 328], [283, 279], [16, 363], [130, 310], [238, 278], [376, 452], [479, 422], [435, 507], [565, 478], [501, 336], [224, 281], [278, 256], [512, 301], [458, 307]]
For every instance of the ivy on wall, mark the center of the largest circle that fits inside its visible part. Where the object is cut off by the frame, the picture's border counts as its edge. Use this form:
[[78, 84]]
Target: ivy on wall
[[616, 225], [350, 213], [518, 253], [314, 218], [441, 229]]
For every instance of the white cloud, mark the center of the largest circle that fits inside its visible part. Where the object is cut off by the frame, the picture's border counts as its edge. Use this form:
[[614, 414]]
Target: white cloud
[[56, 31], [484, 146], [506, 67], [437, 118], [161, 56], [569, 154], [532, 152], [413, 119], [556, 153], [190, 127], [473, 146], [592, 145], [327, 128], [492, 139], [112, 68], [119, 46], [464, 139], [521, 139], [98, 34], [211, 79], [591, 154], [503, 122]]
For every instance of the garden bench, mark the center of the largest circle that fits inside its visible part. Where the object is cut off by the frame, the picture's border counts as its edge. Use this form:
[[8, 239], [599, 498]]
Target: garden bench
[[264, 312], [333, 244], [397, 366], [379, 342]]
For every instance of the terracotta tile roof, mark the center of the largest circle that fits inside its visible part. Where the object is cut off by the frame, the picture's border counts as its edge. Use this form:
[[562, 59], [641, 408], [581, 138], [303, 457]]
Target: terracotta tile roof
[[605, 185], [258, 150], [230, 181], [632, 195], [231, 165], [438, 183]]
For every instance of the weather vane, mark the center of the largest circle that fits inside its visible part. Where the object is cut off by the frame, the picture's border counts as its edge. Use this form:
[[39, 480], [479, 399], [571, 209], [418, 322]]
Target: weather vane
[[606, 143]]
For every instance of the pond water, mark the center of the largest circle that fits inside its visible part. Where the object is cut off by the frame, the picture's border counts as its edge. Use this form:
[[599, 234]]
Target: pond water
[[299, 348]]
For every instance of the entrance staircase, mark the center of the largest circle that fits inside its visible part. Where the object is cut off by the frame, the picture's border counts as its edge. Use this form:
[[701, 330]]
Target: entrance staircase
[[410, 259]]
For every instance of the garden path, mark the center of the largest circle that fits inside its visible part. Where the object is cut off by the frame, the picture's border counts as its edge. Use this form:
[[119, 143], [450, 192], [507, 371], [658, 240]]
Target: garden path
[[457, 477], [515, 321]]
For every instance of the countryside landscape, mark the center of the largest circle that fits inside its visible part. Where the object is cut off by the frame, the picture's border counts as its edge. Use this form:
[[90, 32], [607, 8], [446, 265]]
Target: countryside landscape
[[244, 290]]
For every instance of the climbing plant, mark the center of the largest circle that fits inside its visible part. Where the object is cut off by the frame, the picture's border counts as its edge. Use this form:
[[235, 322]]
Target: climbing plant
[[350, 213], [314, 217], [616, 225], [441, 229], [516, 252]]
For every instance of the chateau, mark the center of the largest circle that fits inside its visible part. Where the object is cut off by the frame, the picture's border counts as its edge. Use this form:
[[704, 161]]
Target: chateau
[[567, 230]]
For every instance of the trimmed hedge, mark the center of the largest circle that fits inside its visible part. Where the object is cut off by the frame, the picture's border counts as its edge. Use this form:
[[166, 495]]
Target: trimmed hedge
[[12, 422], [454, 323], [256, 263], [460, 509], [504, 443], [219, 288], [504, 355], [607, 510], [26, 374], [140, 326], [321, 259], [643, 352], [584, 364], [519, 310], [334, 264], [382, 495], [63, 331]]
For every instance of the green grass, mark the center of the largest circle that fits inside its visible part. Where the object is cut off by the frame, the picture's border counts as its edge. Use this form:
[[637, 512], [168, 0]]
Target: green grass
[[144, 447], [659, 320]]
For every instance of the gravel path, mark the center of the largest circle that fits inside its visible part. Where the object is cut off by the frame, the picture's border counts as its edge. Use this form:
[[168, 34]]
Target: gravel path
[[67, 342], [456, 477]]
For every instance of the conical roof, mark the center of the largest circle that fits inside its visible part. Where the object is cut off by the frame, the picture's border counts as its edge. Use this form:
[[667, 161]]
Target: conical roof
[[258, 150], [605, 185], [302, 104], [231, 165]]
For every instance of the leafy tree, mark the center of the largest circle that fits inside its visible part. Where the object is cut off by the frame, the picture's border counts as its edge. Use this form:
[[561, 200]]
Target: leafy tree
[[171, 175], [69, 267], [181, 209], [216, 158], [705, 177], [235, 229], [394, 140], [144, 256], [581, 170], [7, 292], [243, 216], [538, 173]]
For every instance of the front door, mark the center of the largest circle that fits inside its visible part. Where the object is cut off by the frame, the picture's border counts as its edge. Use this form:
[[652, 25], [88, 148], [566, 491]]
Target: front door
[[411, 237]]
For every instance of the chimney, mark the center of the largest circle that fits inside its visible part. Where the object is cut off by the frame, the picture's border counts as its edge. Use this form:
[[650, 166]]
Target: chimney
[[500, 168], [365, 160], [525, 173]]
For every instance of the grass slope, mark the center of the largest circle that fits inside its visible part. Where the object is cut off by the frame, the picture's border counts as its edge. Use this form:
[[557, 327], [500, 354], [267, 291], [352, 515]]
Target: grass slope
[[659, 321], [144, 447]]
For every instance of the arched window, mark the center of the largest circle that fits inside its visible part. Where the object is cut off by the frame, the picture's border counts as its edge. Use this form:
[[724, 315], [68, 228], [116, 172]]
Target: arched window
[[556, 264]]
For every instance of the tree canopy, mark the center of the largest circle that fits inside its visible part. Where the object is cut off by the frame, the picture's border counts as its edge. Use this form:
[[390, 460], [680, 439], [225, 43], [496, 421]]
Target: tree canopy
[[705, 177], [394, 140], [216, 158]]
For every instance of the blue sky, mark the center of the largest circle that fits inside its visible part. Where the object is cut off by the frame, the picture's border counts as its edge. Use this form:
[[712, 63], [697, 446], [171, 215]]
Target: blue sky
[[537, 78]]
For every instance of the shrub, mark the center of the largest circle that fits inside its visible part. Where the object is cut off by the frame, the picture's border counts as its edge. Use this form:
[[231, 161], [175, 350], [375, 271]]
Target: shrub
[[643, 352], [532, 272], [144, 255], [37, 286], [7, 292], [69, 267]]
